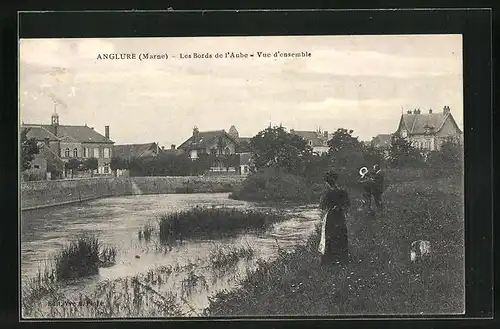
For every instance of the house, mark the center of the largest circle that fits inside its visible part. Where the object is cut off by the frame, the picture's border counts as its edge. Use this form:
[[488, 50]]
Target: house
[[216, 142], [220, 148], [381, 141], [243, 143], [428, 131], [73, 142], [317, 140], [128, 151], [171, 151]]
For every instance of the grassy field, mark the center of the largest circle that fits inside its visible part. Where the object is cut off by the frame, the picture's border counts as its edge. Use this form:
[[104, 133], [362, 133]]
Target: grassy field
[[380, 279]]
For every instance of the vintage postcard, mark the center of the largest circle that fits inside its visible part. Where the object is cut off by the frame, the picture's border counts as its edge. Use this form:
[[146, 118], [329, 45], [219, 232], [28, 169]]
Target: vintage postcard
[[241, 176]]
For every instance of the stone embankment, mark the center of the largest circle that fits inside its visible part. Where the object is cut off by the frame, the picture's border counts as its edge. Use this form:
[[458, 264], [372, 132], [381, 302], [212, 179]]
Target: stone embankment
[[39, 194]]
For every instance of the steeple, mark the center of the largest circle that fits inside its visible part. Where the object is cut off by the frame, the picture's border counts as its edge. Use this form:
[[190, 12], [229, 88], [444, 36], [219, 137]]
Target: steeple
[[55, 120]]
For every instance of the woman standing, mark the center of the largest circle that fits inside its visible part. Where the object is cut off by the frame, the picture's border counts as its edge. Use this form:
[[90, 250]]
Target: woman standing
[[334, 205]]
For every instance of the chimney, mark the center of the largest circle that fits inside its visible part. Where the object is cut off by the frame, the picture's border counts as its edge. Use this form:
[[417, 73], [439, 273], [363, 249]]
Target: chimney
[[446, 109], [408, 112], [195, 134], [106, 131], [430, 111], [172, 147]]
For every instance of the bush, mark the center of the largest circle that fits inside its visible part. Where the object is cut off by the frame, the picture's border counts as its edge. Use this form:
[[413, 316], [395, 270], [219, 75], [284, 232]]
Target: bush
[[214, 222], [273, 185]]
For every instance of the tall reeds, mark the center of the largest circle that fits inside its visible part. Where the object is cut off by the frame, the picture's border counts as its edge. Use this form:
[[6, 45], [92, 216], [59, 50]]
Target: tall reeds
[[214, 222]]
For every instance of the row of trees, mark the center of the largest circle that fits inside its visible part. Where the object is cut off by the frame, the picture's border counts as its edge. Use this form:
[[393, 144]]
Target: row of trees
[[173, 164], [77, 165], [276, 148]]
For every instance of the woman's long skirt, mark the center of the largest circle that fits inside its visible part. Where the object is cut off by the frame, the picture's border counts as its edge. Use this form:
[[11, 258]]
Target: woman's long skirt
[[334, 245]]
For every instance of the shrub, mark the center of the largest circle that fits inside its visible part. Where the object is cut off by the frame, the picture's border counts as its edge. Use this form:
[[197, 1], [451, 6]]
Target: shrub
[[273, 185], [214, 222]]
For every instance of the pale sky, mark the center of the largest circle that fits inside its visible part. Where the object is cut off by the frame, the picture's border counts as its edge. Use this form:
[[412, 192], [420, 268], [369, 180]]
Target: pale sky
[[354, 82]]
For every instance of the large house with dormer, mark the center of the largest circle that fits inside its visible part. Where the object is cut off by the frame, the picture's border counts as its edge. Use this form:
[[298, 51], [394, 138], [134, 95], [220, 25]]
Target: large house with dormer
[[429, 130], [65, 142]]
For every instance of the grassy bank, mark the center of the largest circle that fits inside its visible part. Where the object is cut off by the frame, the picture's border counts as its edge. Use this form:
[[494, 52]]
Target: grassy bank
[[202, 222], [380, 279]]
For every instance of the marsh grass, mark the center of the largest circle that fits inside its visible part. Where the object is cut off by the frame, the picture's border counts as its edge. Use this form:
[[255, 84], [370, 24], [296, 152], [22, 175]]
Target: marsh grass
[[127, 297], [203, 222], [82, 258], [380, 279], [221, 257], [145, 233], [193, 281]]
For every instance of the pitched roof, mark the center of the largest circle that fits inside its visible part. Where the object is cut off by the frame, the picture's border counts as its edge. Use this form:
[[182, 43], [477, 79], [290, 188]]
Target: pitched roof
[[316, 139], [82, 134], [206, 138], [233, 131], [134, 150], [382, 140], [416, 124]]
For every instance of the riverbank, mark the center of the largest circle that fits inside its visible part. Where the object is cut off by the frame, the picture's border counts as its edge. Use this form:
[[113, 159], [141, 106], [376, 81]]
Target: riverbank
[[42, 194], [380, 279]]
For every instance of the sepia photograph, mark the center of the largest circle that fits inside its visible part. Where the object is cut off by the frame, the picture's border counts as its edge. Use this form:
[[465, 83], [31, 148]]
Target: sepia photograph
[[243, 176]]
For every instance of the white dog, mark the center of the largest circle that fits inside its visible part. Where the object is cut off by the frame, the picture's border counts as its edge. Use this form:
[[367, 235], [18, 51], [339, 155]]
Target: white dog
[[420, 250]]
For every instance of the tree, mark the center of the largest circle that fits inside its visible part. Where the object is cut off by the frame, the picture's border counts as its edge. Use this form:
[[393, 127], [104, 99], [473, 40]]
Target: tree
[[73, 165], [345, 149], [29, 149], [346, 153], [374, 155], [118, 163], [91, 164], [449, 158], [274, 147], [403, 154]]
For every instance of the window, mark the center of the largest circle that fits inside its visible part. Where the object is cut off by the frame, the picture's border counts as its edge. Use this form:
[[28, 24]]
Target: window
[[106, 168], [227, 151], [96, 152], [106, 152], [66, 153], [85, 152], [36, 166], [213, 151], [75, 153], [404, 133]]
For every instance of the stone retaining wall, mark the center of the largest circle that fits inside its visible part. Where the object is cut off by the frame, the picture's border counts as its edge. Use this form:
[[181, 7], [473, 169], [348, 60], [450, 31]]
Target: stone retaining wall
[[38, 194]]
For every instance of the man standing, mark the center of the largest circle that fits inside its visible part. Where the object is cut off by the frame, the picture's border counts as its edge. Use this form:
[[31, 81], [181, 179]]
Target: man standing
[[377, 186]]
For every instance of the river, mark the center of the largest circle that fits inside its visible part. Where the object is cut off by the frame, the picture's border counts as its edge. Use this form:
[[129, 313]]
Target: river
[[117, 221]]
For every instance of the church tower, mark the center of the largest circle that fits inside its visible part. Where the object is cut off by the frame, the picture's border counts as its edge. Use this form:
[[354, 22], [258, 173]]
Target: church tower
[[55, 120]]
